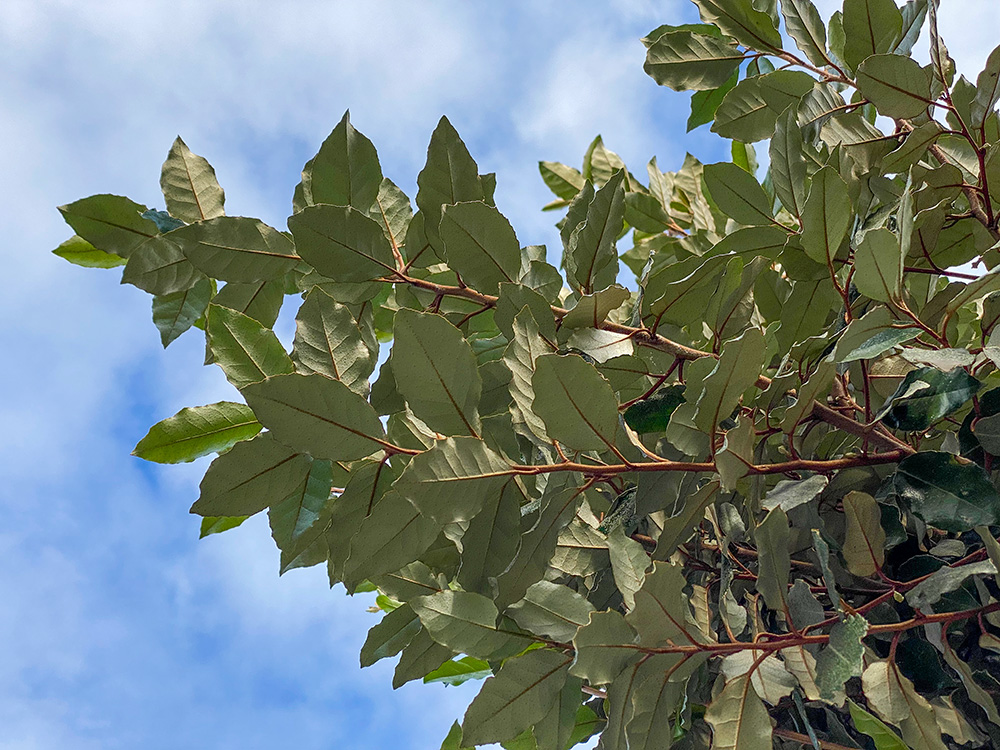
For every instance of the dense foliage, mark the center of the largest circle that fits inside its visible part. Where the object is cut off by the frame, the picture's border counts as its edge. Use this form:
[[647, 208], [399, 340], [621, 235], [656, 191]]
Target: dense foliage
[[748, 501]]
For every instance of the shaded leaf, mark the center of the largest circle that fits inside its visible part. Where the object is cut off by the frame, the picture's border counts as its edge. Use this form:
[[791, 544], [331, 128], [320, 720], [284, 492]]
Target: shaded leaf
[[864, 545], [328, 341], [235, 248], [896, 85], [925, 396], [575, 401], [110, 223], [442, 384], [738, 194], [342, 243], [521, 694], [739, 718], [316, 415], [687, 61], [826, 216], [604, 647], [249, 477], [175, 313], [481, 245], [551, 611]]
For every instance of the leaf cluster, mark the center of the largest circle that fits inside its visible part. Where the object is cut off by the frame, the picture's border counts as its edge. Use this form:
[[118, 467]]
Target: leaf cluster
[[748, 501]]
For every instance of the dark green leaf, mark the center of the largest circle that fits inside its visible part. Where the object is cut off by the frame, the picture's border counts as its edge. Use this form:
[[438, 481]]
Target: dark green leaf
[[740, 20], [927, 395], [871, 27], [175, 313], [234, 248], [947, 492], [653, 414]]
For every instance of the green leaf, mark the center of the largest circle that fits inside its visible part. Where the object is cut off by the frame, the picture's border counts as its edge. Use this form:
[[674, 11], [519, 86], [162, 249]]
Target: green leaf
[[250, 477], [591, 259], [575, 402], [218, 524], [738, 368], [365, 487], [987, 89], [685, 61], [791, 493], [563, 180], [878, 264], [652, 414], [864, 544], [525, 347], [896, 85], [450, 176], [492, 539], [894, 698], [297, 520], [738, 194], [883, 737], [175, 313], [110, 223], [345, 170], [772, 538], [514, 297], [197, 431], [234, 248], [538, 544], [189, 185], [81, 253], [704, 104], [814, 389], [740, 20], [450, 482], [927, 395], [788, 167], [521, 694], [466, 623], [871, 27], [245, 350], [841, 658], [481, 245], [442, 384], [421, 656], [317, 415], [869, 336], [654, 700], [342, 243], [749, 112], [629, 561], [158, 266], [660, 613], [460, 671], [678, 527], [826, 216], [394, 534], [390, 635], [804, 24], [739, 718], [944, 581], [591, 310], [328, 341], [260, 300], [551, 611], [604, 647]]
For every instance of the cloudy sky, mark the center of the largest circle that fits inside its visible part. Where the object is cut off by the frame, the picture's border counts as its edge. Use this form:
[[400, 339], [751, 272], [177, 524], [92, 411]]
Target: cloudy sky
[[118, 628]]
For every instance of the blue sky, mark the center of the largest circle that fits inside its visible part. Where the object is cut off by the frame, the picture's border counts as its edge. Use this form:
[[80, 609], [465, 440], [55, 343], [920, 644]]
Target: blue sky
[[119, 629]]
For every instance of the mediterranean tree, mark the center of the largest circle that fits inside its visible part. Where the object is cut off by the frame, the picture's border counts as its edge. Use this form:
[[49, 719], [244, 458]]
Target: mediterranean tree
[[745, 501]]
